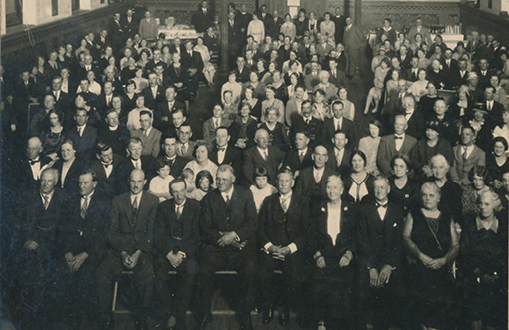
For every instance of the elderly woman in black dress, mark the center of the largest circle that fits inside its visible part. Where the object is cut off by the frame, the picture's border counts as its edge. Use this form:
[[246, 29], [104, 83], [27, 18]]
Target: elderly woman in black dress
[[432, 242], [482, 266]]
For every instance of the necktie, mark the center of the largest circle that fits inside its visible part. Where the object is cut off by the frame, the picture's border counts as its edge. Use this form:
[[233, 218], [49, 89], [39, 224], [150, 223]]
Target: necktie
[[46, 201], [79, 131], [57, 94], [227, 201], [183, 149], [307, 121], [317, 177], [146, 133], [301, 156], [490, 106], [265, 155], [216, 123], [179, 211], [135, 204], [283, 203], [464, 155], [84, 208]]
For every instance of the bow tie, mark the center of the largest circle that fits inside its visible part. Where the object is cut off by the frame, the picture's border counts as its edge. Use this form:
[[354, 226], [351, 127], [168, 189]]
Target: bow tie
[[381, 205], [106, 165], [221, 149], [398, 137], [32, 162]]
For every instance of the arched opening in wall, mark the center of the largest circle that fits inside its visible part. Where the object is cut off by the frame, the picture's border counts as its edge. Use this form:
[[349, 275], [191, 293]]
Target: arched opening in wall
[[13, 12]]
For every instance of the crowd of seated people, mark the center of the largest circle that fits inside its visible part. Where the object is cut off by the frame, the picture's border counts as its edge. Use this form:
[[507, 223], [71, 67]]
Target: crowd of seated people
[[401, 224]]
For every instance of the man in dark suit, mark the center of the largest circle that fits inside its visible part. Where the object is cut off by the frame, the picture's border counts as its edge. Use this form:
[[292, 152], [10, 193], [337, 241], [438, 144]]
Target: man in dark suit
[[69, 168], [162, 113], [130, 240], [185, 146], [62, 99], [394, 105], [178, 74], [39, 121], [339, 123], [404, 57], [30, 168], [193, 61], [83, 136], [156, 59], [129, 24], [83, 234], [339, 157], [115, 134], [224, 154], [169, 156], [483, 73], [306, 122], [228, 225], [332, 243], [393, 144], [105, 99], [312, 180], [235, 38], [336, 75], [241, 72], [106, 167], [475, 47], [339, 23], [380, 249], [268, 21], [449, 66], [282, 234], [134, 160], [459, 76], [116, 32], [494, 108], [176, 241], [154, 94], [38, 213], [412, 72], [150, 137], [300, 156], [264, 155], [415, 118], [202, 18]]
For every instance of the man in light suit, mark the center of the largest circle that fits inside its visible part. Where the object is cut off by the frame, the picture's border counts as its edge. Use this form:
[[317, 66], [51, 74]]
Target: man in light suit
[[176, 241], [282, 235], [185, 146], [323, 48], [466, 156], [130, 240], [228, 225], [83, 233], [264, 155], [149, 136], [352, 39], [106, 167], [423, 31], [312, 180], [393, 144], [84, 136], [380, 249]]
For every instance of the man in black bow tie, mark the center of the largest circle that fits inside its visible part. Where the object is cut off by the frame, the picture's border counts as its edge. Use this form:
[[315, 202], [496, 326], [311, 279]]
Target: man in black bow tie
[[170, 157], [379, 235], [30, 168]]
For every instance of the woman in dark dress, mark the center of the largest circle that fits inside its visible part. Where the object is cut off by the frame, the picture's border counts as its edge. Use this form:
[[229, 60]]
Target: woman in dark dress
[[53, 137], [497, 162], [482, 266], [276, 130], [431, 239], [428, 147], [451, 191], [243, 129], [427, 102], [359, 184], [404, 191]]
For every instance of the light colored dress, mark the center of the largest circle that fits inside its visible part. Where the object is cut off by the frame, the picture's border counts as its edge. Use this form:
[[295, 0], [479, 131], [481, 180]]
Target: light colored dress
[[260, 194], [348, 110], [159, 185], [369, 146], [289, 30], [207, 166], [328, 28], [257, 30]]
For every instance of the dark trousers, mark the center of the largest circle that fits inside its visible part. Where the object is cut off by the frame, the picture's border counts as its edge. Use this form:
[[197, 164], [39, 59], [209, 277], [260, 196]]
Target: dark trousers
[[386, 303], [331, 291], [293, 274], [184, 285], [244, 262], [109, 270], [79, 296]]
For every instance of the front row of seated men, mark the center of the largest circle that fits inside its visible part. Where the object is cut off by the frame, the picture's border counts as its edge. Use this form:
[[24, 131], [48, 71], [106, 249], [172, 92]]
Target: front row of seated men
[[332, 244]]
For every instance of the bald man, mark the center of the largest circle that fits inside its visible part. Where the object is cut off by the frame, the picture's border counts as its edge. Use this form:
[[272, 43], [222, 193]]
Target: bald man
[[130, 243]]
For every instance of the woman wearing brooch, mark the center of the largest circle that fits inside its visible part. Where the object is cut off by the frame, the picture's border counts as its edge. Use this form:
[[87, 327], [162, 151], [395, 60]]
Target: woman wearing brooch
[[332, 246]]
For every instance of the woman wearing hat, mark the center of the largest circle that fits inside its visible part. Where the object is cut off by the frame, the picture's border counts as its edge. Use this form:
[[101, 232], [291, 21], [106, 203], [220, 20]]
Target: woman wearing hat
[[433, 144], [461, 104]]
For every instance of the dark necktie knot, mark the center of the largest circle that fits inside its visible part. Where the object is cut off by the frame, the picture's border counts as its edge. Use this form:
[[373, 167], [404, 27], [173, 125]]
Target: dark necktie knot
[[381, 205], [398, 137]]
